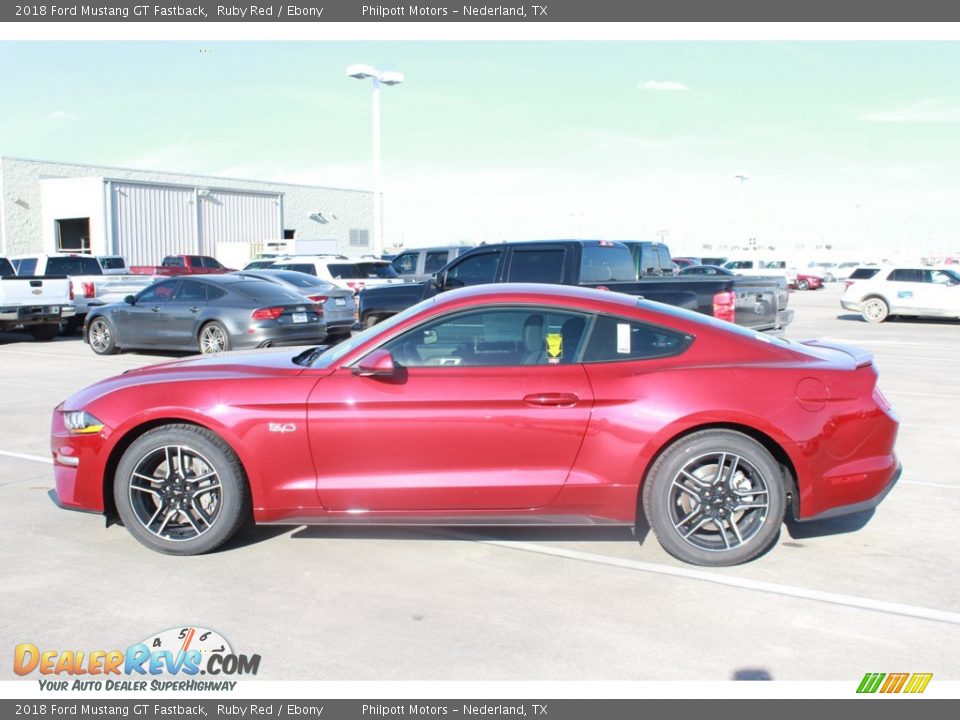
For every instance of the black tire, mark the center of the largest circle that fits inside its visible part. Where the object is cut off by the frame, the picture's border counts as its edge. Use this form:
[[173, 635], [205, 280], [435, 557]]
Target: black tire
[[180, 490], [72, 326], [44, 332], [213, 338], [875, 310], [100, 336], [715, 497], [803, 285]]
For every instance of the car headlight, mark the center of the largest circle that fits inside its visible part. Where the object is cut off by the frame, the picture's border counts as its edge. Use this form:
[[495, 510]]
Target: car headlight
[[80, 421]]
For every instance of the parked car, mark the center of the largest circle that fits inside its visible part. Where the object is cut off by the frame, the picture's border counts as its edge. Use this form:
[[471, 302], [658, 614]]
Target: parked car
[[183, 265], [91, 286], [907, 291], [758, 266], [339, 308], [807, 281], [343, 271], [416, 264], [705, 270], [844, 269], [504, 404], [685, 262], [39, 304], [211, 314]]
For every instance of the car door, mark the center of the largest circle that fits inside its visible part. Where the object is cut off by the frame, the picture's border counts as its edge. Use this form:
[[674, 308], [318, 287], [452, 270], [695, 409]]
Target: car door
[[485, 413], [904, 290], [140, 324], [179, 317], [938, 295]]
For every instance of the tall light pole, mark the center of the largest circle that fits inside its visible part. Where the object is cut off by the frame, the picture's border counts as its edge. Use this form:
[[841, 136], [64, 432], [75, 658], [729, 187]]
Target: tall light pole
[[743, 207], [361, 72]]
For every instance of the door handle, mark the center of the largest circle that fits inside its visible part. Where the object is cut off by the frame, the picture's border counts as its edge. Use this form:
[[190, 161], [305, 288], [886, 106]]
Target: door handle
[[194, 309], [155, 308], [552, 399]]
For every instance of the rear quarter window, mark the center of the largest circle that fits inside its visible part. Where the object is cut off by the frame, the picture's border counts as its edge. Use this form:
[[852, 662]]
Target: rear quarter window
[[613, 339], [345, 271], [864, 273], [600, 263]]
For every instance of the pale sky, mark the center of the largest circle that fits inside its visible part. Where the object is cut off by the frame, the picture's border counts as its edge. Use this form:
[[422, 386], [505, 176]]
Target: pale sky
[[490, 140]]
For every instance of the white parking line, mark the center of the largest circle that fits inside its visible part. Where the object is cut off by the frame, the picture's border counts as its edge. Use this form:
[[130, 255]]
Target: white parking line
[[854, 601], [23, 456]]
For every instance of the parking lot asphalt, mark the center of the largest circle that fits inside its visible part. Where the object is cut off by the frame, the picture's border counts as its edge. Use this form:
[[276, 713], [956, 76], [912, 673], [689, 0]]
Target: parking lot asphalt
[[830, 602]]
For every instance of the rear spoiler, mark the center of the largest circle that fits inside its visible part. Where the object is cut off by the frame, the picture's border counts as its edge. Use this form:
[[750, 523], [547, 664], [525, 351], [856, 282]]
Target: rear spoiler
[[861, 357]]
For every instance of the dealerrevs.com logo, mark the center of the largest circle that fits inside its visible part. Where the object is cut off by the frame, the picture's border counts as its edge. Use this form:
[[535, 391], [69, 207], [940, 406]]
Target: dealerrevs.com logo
[[169, 660], [894, 682]]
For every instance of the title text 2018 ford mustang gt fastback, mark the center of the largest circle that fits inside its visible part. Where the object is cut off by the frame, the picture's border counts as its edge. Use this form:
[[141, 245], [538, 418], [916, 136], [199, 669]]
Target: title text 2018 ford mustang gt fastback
[[492, 405]]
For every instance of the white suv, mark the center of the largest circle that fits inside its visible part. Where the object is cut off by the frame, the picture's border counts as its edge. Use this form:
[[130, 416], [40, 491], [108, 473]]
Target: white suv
[[349, 273], [915, 291]]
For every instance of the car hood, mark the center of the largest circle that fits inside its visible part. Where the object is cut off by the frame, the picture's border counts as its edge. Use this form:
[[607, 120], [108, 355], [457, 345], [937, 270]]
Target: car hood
[[239, 364]]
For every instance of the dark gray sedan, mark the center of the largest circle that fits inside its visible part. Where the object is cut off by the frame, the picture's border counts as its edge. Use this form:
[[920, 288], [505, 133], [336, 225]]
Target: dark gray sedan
[[211, 314], [339, 307]]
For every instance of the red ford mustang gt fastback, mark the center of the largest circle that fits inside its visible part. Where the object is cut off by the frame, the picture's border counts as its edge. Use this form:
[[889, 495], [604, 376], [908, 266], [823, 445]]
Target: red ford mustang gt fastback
[[491, 405]]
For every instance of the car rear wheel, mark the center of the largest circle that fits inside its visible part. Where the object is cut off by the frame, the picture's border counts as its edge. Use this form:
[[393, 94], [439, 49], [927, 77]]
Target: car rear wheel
[[43, 332], [875, 310], [803, 285], [180, 490], [715, 498], [370, 320], [214, 338], [101, 338]]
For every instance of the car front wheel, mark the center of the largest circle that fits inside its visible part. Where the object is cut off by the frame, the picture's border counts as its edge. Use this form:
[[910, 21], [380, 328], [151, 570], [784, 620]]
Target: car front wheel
[[101, 338], [180, 489], [803, 285], [715, 498]]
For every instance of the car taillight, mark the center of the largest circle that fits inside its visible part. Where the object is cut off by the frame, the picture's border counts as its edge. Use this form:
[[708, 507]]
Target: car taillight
[[71, 290], [267, 313], [725, 306], [846, 284], [89, 290], [319, 299]]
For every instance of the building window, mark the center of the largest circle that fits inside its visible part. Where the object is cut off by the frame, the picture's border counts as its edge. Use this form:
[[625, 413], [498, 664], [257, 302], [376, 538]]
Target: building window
[[288, 234], [73, 235], [359, 238]]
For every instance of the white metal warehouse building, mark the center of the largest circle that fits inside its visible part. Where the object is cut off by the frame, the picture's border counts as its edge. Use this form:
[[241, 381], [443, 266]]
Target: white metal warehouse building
[[144, 215]]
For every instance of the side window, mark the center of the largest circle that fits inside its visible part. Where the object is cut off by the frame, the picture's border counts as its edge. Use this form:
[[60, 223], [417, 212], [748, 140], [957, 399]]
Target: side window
[[906, 275], [435, 260], [474, 270], [195, 261], [190, 291], [405, 263], [615, 339], [939, 277], [173, 261], [537, 266], [26, 267], [493, 337], [209, 262], [161, 292], [215, 293]]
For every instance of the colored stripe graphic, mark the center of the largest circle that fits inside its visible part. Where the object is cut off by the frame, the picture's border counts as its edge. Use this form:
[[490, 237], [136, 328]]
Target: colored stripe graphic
[[870, 682], [895, 682], [918, 683]]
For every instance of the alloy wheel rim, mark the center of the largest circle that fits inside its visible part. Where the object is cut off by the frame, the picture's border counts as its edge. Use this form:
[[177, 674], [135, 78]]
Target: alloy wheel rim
[[718, 501], [873, 309], [175, 493], [212, 340], [100, 335]]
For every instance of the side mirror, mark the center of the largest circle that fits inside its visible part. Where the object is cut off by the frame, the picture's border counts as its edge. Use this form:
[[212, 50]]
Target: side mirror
[[379, 363], [440, 279], [130, 299]]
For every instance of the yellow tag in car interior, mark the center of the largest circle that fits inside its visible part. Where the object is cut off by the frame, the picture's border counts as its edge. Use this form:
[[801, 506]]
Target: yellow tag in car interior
[[554, 346]]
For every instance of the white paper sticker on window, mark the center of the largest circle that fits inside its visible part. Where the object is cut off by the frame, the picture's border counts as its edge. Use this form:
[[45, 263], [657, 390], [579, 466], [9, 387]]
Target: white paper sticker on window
[[623, 338]]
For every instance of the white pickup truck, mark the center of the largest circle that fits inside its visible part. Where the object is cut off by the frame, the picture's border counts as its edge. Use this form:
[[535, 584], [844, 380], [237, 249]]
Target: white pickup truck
[[40, 304], [91, 287]]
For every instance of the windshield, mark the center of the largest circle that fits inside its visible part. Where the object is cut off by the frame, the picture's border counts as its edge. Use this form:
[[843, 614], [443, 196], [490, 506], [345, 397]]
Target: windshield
[[333, 355]]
